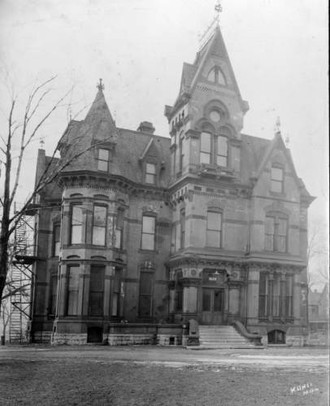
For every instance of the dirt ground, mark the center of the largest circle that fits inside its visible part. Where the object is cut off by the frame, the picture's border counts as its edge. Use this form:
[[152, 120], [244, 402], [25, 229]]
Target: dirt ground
[[125, 376]]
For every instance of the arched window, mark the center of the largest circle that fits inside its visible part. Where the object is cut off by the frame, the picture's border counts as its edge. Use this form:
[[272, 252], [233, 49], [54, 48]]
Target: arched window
[[213, 149], [215, 75], [205, 148]]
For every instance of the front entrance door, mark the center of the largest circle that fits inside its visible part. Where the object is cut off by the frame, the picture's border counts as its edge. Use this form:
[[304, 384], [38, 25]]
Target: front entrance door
[[212, 305]]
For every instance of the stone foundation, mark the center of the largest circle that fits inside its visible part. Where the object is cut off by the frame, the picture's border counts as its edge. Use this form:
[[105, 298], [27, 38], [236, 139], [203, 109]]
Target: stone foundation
[[67, 338], [124, 334], [295, 341], [41, 337], [130, 339], [165, 340]]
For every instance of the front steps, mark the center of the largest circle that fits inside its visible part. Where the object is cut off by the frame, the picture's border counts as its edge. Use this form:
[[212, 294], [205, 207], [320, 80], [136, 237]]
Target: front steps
[[221, 337]]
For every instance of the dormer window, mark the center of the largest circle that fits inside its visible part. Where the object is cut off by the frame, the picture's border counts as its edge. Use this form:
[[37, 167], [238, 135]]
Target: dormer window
[[103, 158], [150, 173], [276, 179], [215, 75]]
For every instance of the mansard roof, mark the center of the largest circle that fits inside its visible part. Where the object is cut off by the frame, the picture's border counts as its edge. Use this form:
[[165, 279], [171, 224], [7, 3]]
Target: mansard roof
[[133, 148]]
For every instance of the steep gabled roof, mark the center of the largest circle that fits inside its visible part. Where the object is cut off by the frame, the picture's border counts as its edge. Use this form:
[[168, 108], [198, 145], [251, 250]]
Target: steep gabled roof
[[215, 46], [191, 73]]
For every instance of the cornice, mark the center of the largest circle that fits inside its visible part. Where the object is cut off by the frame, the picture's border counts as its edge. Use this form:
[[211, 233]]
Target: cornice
[[95, 180]]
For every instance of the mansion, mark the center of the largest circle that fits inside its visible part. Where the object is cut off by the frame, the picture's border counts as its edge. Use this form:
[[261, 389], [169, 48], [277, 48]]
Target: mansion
[[142, 235]]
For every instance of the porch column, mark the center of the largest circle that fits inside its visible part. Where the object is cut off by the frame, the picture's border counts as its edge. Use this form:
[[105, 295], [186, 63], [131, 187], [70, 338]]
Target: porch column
[[190, 295], [253, 296]]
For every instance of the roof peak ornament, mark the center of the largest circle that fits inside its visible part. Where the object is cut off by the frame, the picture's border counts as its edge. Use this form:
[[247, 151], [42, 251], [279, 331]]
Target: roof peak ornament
[[277, 127], [218, 9], [215, 23], [100, 85]]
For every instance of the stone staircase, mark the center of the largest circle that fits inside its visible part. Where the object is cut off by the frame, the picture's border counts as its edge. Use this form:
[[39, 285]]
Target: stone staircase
[[222, 337]]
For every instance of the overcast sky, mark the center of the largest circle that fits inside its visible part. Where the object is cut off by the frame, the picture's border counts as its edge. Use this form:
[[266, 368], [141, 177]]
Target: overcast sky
[[278, 49]]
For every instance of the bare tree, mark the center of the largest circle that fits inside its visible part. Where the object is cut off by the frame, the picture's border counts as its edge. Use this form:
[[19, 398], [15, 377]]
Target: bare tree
[[317, 255], [20, 133]]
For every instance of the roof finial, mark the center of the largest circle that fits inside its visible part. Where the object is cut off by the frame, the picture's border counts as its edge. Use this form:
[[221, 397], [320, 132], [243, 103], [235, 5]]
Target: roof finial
[[277, 127], [210, 29], [100, 85], [42, 143], [218, 9]]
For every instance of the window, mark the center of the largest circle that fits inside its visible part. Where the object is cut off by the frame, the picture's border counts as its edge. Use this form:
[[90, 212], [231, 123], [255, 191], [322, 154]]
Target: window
[[277, 177], [99, 225], [73, 290], [205, 149], [288, 296], [53, 295], [145, 300], [151, 173], [222, 151], [148, 233], [275, 295], [119, 226], [56, 240], [96, 289], [76, 224], [213, 229], [181, 154], [182, 228], [215, 75], [214, 150], [276, 233], [179, 292], [115, 309], [103, 159]]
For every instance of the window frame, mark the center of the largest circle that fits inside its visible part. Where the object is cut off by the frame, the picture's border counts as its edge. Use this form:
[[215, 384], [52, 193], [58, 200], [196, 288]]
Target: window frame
[[218, 73], [149, 295], [145, 233], [222, 154], [212, 231], [215, 152], [275, 236], [91, 292], [53, 295], [73, 226], [119, 228], [104, 228], [102, 161], [277, 185], [205, 152], [75, 303], [56, 246], [275, 295], [181, 153], [151, 175], [116, 293], [182, 228]]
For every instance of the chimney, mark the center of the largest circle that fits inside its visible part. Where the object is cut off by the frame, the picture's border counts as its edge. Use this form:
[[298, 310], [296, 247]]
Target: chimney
[[146, 127]]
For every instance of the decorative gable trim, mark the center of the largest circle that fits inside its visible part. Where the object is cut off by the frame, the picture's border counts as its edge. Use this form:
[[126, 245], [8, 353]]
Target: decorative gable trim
[[145, 152]]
